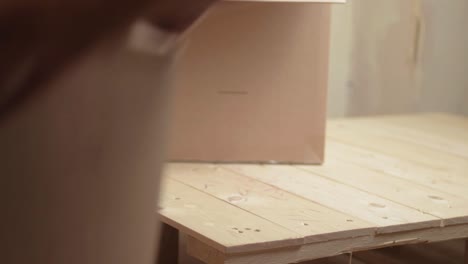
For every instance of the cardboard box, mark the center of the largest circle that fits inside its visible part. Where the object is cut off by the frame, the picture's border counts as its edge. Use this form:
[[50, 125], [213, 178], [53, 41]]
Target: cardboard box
[[251, 85]]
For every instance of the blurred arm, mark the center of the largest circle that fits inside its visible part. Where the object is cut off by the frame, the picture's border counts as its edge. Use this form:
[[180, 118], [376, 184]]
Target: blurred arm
[[82, 121]]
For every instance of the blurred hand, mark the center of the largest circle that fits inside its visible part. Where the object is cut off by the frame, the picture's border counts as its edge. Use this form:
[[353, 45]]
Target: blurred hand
[[54, 33]]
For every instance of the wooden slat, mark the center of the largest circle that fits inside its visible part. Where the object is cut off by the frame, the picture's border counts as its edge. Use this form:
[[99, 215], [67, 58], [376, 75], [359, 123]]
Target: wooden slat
[[450, 120], [217, 223], [350, 134], [405, 177], [338, 247], [448, 126], [452, 209], [382, 127], [204, 252], [437, 179], [313, 221], [388, 216]]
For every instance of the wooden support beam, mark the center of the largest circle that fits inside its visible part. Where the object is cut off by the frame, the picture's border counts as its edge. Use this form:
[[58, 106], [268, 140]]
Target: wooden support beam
[[169, 245], [466, 251]]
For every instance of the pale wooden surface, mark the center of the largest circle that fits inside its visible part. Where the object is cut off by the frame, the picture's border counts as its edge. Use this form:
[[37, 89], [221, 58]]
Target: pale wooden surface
[[387, 181]]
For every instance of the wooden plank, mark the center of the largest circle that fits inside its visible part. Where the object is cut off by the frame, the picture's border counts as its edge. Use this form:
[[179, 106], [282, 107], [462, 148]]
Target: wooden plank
[[448, 126], [441, 180], [452, 121], [381, 127], [452, 209], [387, 215], [338, 247], [216, 222], [204, 252], [313, 221], [410, 151], [404, 198], [184, 256], [457, 121]]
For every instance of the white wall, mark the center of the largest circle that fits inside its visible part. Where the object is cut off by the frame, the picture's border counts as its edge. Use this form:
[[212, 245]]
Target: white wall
[[399, 56], [446, 56]]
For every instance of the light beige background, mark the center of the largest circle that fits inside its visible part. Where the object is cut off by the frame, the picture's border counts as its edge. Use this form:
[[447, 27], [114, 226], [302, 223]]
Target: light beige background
[[399, 56]]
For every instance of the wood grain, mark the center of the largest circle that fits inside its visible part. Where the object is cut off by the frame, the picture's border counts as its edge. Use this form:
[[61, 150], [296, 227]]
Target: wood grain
[[453, 145], [442, 180], [452, 209], [313, 221], [387, 215], [387, 181], [408, 150], [217, 222]]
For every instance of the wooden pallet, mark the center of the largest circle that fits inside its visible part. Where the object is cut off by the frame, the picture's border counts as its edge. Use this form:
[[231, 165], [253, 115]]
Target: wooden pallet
[[449, 252], [387, 181]]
